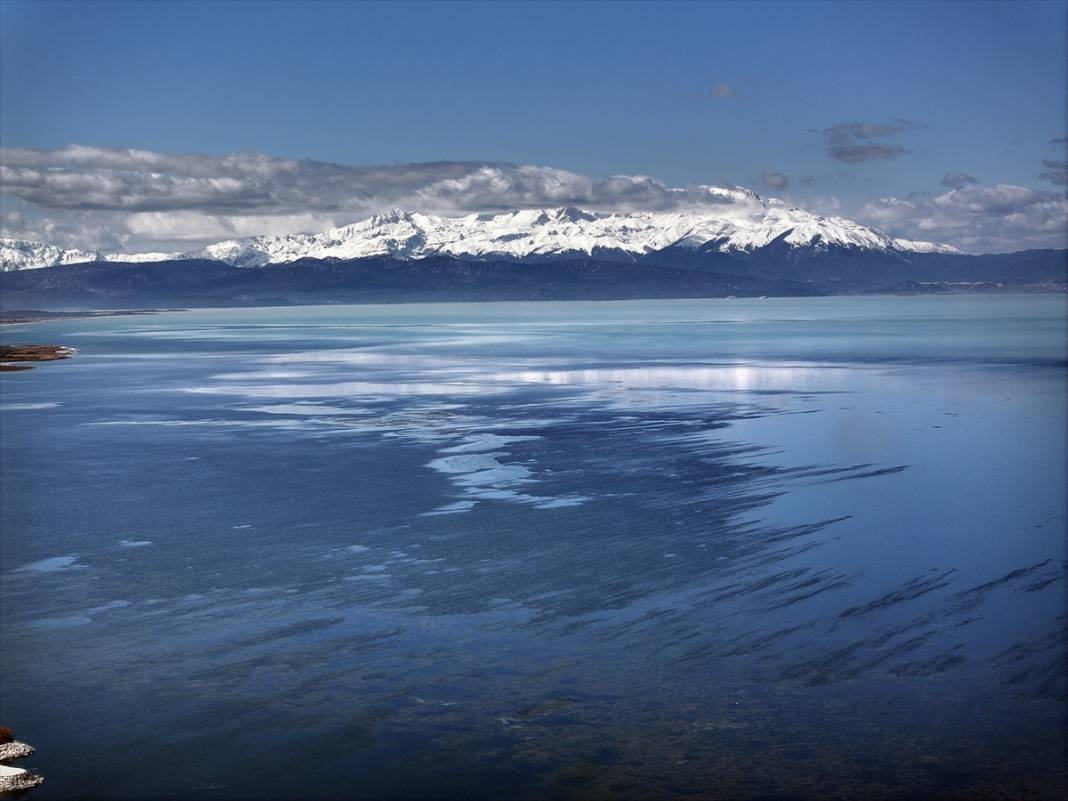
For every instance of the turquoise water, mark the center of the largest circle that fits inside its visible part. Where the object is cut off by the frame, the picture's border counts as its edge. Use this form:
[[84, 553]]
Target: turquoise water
[[798, 548]]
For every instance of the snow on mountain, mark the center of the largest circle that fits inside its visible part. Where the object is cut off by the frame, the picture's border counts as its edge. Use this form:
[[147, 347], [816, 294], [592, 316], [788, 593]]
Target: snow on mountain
[[135, 258], [23, 254], [910, 246], [535, 233], [20, 254], [740, 222]]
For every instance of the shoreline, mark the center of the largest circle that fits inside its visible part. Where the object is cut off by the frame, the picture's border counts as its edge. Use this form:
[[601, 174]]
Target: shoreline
[[12, 779], [28, 316]]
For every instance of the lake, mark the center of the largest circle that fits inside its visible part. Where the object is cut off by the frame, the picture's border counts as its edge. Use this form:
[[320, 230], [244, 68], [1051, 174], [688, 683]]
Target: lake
[[760, 548]]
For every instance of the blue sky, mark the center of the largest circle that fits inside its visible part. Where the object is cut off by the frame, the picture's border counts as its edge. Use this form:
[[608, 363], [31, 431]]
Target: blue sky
[[759, 94]]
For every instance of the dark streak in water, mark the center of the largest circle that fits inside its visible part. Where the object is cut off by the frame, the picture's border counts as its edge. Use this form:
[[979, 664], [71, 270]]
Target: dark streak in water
[[884, 471], [911, 590]]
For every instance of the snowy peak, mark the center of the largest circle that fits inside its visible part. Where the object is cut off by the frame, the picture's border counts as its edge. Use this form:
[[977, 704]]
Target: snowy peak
[[21, 254], [135, 258], [912, 246], [24, 254]]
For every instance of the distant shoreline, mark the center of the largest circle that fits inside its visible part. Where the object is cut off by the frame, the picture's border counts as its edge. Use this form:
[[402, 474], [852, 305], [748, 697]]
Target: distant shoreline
[[26, 316]]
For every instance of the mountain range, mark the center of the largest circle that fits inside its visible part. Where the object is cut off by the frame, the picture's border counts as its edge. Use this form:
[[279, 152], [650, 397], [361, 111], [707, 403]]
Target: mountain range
[[743, 244], [742, 223]]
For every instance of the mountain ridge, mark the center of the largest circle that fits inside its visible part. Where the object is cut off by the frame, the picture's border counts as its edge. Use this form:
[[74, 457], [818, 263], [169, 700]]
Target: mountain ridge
[[743, 225]]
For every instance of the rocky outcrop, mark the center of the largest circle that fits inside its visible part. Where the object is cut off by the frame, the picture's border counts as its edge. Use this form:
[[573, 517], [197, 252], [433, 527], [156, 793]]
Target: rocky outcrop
[[14, 779], [14, 750], [31, 353]]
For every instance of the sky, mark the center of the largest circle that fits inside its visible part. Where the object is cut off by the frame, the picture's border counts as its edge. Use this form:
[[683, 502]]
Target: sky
[[157, 126]]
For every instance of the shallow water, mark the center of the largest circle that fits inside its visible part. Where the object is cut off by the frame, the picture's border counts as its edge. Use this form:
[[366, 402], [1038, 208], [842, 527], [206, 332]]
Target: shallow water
[[798, 548]]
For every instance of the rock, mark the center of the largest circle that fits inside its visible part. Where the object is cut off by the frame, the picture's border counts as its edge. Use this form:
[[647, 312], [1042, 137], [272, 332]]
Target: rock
[[31, 353], [13, 779], [34, 353], [14, 750]]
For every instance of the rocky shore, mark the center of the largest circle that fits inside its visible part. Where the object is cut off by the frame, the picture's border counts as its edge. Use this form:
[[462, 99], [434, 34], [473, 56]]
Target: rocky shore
[[13, 357], [15, 779]]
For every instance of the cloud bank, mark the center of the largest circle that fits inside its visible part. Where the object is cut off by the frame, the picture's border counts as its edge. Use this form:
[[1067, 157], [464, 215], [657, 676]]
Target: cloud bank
[[976, 218], [131, 200], [122, 197], [79, 178]]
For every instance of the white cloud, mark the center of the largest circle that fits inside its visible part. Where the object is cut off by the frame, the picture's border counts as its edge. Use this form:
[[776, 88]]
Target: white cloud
[[976, 218], [827, 205], [127, 199], [122, 198], [110, 179], [196, 226]]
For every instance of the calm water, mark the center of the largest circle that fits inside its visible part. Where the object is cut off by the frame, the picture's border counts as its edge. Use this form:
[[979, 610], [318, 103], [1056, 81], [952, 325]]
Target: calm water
[[804, 548]]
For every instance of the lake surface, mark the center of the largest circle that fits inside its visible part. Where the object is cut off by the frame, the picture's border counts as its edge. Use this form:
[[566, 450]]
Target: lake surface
[[785, 548]]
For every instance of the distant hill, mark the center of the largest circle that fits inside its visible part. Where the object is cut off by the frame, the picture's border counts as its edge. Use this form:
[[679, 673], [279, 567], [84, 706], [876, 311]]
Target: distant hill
[[203, 283], [200, 283]]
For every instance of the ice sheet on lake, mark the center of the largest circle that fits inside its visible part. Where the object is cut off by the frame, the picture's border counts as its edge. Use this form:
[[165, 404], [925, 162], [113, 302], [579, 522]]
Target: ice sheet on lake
[[348, 389], [482, 476], [50, 565], [452, 508], [308, 408], [486, 442]]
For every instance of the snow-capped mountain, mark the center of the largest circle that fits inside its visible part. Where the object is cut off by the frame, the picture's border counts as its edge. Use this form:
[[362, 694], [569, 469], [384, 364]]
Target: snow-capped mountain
[[912, 246], [23, 254], [543, 233], [131, 258], [742, 224], [20, 254]]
